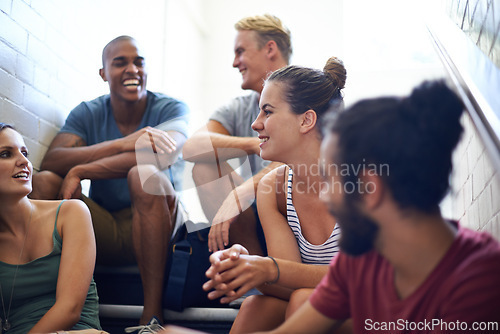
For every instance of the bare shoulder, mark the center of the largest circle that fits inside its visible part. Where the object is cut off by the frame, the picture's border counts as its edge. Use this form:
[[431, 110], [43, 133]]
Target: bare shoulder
[[74, 208], [74, 215], [68, 212], [68, 207], [270, 180]]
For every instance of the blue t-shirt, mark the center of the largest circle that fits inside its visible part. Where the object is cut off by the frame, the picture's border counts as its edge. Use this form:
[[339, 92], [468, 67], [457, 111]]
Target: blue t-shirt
[[94, 122]]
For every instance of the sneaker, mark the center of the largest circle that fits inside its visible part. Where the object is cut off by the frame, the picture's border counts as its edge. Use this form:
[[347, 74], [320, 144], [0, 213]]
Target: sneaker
[[152, 327]]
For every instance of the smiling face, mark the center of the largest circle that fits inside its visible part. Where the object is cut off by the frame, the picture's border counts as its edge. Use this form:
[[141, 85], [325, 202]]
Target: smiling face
[[15, 168], [125, 71], [276, 124], [252, 62]]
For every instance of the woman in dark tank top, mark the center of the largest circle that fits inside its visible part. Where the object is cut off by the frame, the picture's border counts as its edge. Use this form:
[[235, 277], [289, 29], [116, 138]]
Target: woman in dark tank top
[[46, 284]]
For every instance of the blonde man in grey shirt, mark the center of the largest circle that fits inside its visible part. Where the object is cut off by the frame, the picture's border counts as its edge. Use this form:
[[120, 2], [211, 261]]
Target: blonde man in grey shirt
[[262, 46]]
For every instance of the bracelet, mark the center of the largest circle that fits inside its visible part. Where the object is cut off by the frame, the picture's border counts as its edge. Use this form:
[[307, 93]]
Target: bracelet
[[277, 268]]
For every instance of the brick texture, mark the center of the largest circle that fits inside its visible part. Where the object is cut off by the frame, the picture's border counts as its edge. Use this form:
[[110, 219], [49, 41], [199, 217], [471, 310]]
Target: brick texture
[[42, 69], [475, 195]]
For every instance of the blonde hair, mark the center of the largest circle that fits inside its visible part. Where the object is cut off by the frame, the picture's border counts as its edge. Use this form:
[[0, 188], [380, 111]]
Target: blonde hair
[[268, 27]]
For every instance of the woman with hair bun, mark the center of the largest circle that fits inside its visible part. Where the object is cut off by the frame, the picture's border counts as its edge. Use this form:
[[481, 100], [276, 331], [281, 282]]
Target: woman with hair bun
[[301, 236], [403, 267]]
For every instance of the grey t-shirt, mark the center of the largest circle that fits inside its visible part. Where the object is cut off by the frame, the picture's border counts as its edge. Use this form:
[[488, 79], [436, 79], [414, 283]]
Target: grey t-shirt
[[237, 117]]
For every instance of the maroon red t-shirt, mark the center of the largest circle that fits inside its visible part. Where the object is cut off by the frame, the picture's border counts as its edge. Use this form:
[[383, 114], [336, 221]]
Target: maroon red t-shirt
[[461, 294]]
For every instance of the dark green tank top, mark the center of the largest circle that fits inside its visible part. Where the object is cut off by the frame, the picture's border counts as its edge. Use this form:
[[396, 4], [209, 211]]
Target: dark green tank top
[[35, 290]]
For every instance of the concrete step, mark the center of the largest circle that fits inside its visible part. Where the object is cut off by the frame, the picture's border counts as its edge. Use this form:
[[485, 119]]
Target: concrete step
[[115, 318]]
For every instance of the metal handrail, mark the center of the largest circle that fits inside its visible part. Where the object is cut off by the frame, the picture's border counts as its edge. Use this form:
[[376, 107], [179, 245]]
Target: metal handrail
[[475, 77]]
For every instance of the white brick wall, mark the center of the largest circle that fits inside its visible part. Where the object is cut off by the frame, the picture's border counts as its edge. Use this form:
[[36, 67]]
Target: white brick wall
[[50, 54], [39, 72], [475, 196]]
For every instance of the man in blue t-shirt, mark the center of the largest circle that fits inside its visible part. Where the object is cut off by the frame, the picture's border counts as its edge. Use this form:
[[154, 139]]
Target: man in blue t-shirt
[[127, 143]]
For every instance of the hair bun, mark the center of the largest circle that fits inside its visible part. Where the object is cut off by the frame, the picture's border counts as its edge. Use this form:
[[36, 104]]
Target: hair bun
[[435, 108], [434, 103], [336, 71]]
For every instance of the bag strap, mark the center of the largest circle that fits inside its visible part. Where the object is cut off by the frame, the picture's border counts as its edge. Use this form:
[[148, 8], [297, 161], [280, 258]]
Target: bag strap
[[281, 189], [171, 176], [181, 252]]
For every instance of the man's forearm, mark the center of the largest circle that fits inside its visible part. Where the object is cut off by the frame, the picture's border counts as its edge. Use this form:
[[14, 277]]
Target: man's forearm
[[207, 146], [61, 159], [113, 167]]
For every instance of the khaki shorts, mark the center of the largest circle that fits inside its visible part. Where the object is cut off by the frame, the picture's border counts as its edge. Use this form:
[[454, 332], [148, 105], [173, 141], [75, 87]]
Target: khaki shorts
[[113, 232]]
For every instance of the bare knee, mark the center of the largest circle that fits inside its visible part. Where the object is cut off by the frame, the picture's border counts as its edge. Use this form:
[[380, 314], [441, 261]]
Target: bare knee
[[297, 299], [269, 311], [146, 182], [152, 206], [204, 173], [134, 180], [46, 185], [248, 310], [251, 303]]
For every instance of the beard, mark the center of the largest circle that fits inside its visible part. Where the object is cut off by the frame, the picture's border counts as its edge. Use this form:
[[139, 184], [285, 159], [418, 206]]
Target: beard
[[357, 231]]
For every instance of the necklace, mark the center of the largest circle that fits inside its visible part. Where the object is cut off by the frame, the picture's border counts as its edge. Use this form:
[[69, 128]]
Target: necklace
[[6, 325]]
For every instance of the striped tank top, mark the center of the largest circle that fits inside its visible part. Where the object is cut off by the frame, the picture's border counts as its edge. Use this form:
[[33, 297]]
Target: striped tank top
[[309, 253]]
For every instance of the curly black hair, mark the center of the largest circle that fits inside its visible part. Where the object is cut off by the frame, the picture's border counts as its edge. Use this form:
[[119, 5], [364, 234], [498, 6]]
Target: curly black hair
[[415, 136]]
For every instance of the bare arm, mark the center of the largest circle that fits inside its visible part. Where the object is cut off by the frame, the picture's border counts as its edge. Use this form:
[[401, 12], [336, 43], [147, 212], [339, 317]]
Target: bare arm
[[281, 242], [117, 166], [253, 182], [75, 270], [308, 320], [225, 216], [214, 142], [232, 274], [68, 150], [246, 192]]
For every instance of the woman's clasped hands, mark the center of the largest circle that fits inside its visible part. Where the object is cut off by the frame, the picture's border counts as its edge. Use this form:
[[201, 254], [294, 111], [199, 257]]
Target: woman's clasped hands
[[234, 272]]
